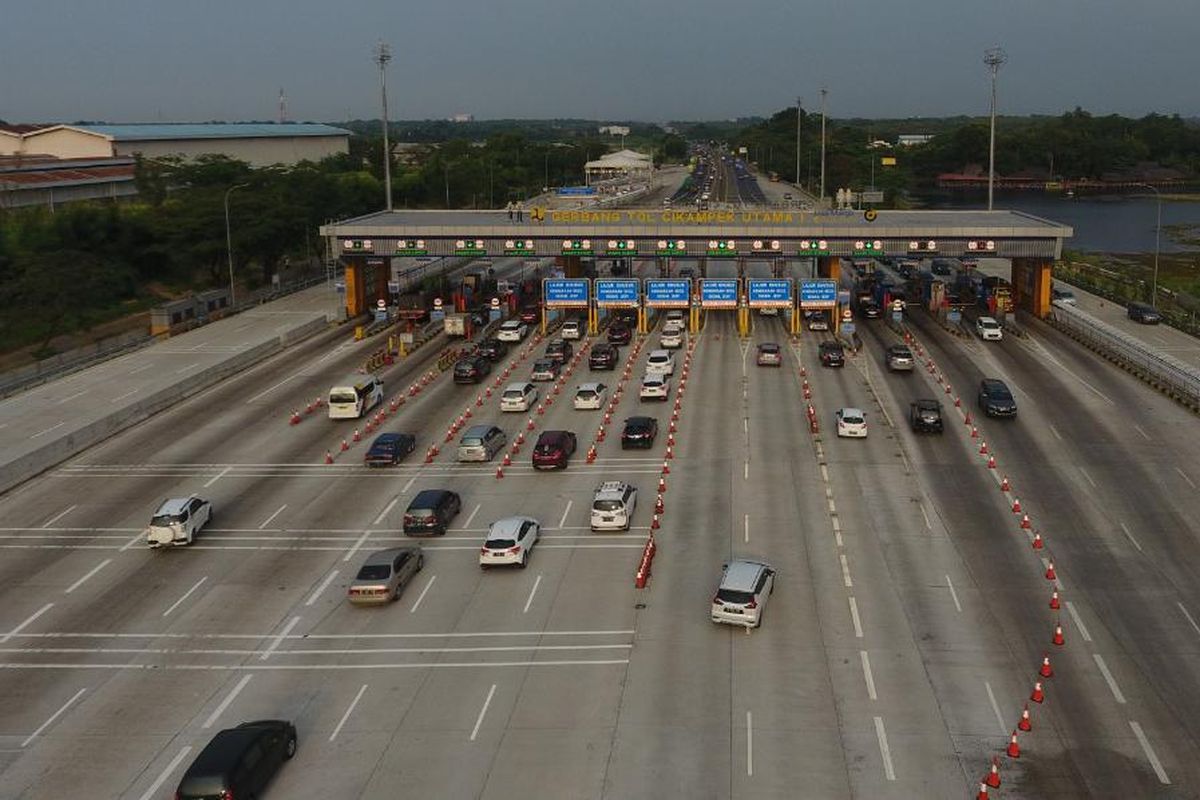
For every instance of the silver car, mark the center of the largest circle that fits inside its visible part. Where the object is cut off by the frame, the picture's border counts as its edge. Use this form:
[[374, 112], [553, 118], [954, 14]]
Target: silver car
[[480, 443], [384, 574]]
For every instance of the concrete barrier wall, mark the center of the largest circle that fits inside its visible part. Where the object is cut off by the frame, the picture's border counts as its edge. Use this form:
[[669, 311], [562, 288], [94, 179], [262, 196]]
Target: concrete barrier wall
[[70, 444]]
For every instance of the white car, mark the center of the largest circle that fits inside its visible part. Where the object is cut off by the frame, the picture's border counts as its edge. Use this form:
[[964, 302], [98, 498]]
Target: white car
[[818, 321], [769, 311], [590, 396], [572, 329], [660, 362], [512, 330], [674, 317], [852, 423], [518, 397], [178, 520], [655, 387], [671, 338], [509, 541], [988, 329]]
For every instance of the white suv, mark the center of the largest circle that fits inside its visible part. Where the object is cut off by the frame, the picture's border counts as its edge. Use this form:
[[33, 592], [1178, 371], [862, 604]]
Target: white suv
[[512, 331], [590, 396], [572, 329], [178, 520], [613, 505], [509, 541], [742, 595], [660, 362], [518, 397], [988, 329]]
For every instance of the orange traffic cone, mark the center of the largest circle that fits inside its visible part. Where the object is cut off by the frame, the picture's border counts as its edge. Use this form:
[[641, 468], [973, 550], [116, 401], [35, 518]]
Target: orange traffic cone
[[1014, 749], [991, 464], [983, 791], [499, 472], [662, 485], [295, 420], [1026, 524], [1037, 540], [1046, 670], [345, 446], [658, 505], [1025, 723], [1004, 484], [666, 468], [1016, 506], [1051, 575], [1058, 635], [654, 523], [1038, 695], [507, 460], [983, 448], [328, 457], [993, 777], [1054, 603]]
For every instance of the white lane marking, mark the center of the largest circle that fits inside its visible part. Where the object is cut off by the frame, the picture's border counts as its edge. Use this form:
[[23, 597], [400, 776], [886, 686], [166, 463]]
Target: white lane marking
[[858, 631], [1182, 608], [357, 544], [349, 711], [294, 653], [408, 485], [282, 668], [837, 538], [386, 510], [33, 617], [482, 712], [217, 477], [1184, 475], [269, 519], [421, 596], [995, 707], [151, 792], [186, 595], [229, 698], [884, 750], [1089, 477], [532, 592], [324, 636], [746, 470], [846, 572], [925, 515], [563, 521], [121, 397], [59, 516], [43, 433], [832, 507], [1108, 678], [1083, 631], [53, 717], [953, 594], [749, 744], [142, 368], [93, 571], [270, 389], [318, 590], [185, 369], [137, 538], [745, 425], [746, 528], [471, 518], [71, 397], [867, 676], [837, 524], [1057, 435], [1149, 751], [825, 473], [1138, 428], [1129, 536], [275, 641], [1063, 368]]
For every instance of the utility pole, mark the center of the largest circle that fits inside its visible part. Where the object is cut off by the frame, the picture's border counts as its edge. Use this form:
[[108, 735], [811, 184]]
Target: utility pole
[[993, 57], [383, 54], [823, 93], [798, 112]]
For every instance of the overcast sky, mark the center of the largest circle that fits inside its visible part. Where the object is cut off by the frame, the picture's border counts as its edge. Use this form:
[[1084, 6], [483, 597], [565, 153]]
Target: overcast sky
[[169, 60]]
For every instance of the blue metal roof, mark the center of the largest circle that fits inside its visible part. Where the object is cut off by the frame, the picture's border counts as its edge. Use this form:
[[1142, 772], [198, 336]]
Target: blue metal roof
[[236, 130]]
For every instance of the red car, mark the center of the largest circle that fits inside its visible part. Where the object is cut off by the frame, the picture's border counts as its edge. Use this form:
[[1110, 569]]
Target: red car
[[531, 314], [553, 450]]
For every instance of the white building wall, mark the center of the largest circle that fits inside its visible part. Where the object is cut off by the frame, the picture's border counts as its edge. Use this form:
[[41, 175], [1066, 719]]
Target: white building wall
[[257, 151], [68, 143], [10, 143]]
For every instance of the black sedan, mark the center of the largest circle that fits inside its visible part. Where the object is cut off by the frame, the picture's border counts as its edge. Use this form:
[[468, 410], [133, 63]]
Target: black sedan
[[639, 432], [492, 349], [832, 354], [619, 333], [389, 449]]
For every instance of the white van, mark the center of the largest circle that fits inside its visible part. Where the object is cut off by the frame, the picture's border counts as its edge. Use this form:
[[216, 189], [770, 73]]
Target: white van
[[355, 396], [613, 505]]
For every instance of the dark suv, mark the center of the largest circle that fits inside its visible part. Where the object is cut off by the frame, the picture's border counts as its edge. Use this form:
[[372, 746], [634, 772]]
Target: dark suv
[[619, 333], [492, 349], [554, 449], [832, 354], [431, 511], [925, 415], [604, 356], [560, 351], [239, 762], [995, 398], [639, 432], [471, 369], [1143, 313]]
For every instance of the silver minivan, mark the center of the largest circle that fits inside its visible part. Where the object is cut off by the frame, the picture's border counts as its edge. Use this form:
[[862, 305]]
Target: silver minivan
[[480, 443], [742, 595]]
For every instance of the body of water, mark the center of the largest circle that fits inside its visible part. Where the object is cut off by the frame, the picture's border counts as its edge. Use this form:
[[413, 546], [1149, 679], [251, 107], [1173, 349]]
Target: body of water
[[1107, 223]]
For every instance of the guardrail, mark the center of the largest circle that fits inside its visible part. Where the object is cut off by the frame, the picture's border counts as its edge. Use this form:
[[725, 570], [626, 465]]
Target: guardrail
[[1169, 375]]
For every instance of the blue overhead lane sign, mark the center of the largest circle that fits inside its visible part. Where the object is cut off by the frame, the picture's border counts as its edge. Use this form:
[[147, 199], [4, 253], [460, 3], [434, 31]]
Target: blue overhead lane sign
[[569, 292], [668, 293], [617, 292], [818, 294], [772, 293], [718, 293]]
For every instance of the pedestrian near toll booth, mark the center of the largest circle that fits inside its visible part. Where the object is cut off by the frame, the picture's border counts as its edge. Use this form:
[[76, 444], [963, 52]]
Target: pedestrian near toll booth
[[509, 209], [520, 212]]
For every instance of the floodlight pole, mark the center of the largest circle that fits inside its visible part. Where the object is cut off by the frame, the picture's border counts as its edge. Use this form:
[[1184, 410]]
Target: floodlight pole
[[823, 93], [383, 54], [993, 57]]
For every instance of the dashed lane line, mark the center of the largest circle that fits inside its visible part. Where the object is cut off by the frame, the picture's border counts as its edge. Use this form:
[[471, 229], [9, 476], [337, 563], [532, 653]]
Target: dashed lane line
[[532, 592], [1182, 608], [90, 573], [217, 477], [482, 712], [421, 596], [858, 631], [229, 698], [33, 618], [749, 744], [868, 678], [275, 641], [312, 598], [62, 710], [186, 595], [846, 572], [1108, 678], [349, 711], [884, 751], [1184, 475], [1083, 631], [59, 516], [1129, 536], [152, 791], [271, 518], [995, 708], [1151, 756], [953, 594]]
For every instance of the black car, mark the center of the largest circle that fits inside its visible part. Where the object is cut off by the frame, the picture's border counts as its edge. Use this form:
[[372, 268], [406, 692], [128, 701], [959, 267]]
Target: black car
[[832, 354], [471, 369], [871, 310], [1143, 313], [604, 356], [431, 511], [995, 398], [492, 349], [619, 333], [389, 449], [559, 351], [239, 762], [925, 415], [639, 432]]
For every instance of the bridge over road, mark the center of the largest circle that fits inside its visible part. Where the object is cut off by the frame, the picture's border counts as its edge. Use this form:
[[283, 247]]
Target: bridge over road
[[366, 245]]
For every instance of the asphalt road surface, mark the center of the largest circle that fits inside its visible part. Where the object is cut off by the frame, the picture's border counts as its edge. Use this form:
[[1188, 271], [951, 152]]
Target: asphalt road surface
[[901, 643]]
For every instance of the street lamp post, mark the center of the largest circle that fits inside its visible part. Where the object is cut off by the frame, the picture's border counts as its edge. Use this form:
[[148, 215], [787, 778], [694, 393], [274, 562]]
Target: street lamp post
[[1157, 233], [823, 93], [993, 57], [798, 112], [383, 54], [229, 241]]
